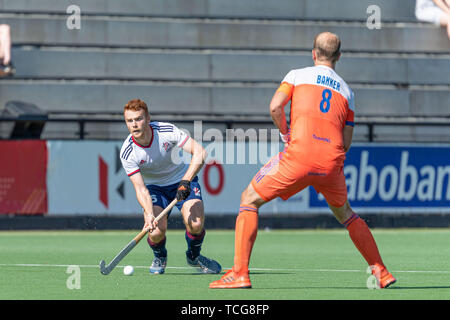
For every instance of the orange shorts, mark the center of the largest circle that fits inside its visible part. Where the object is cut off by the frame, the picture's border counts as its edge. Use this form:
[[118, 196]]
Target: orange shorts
[[279, 178]]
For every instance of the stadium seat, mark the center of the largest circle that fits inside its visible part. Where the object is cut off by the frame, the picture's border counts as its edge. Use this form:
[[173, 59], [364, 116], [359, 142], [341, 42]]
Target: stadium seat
[[392, 10], [200, 33], [220, 56], [221, 65]]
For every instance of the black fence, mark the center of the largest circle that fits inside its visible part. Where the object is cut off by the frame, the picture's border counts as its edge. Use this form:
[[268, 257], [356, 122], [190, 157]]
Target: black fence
[[31, 126]]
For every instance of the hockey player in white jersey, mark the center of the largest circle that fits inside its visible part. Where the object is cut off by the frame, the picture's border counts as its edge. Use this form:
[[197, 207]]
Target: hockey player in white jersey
[[146, 156]]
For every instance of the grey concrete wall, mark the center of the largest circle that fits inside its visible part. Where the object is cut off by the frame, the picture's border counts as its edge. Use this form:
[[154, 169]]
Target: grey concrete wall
[[198, 79], [412, 133], [252, 66], [216, 34], [104, 64], [240, 99], [398, 10]]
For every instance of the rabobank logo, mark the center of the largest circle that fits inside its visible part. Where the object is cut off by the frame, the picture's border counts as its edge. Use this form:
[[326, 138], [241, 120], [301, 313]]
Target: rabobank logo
[[396, 177]]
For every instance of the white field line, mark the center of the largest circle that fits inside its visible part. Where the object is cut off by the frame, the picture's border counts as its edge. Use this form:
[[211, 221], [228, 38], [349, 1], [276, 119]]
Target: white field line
[[251, 269]]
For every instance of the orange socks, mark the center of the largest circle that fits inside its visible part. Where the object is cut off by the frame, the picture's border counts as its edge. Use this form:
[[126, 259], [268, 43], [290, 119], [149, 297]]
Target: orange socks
[[245, 236], [363, 239], [247, 229]]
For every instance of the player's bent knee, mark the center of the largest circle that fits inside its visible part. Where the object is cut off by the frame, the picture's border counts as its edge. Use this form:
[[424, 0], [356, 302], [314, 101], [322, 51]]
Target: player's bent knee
[[195, 227], [244, 196], [193, 216], [342, 213], [250, 197], [156, 238], [157, 235]]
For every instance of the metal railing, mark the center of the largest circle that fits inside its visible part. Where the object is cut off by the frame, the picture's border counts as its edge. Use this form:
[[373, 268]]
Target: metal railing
[[224, 119]]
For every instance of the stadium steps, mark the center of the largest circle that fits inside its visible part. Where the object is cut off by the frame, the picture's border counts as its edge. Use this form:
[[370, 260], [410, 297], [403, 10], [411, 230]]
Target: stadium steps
[[99, 79], [342, 10], [208, 96], [222, 65], [213, 59], [222, 33]]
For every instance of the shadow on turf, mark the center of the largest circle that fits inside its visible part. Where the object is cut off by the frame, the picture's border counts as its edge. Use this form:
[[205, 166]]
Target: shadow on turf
[[355, 288], [201, 273], [262, 272], [424, 287], [300, 287]]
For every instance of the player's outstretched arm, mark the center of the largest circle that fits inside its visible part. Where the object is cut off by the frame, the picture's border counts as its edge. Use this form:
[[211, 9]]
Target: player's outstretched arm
[[198, 158], [143, 197]]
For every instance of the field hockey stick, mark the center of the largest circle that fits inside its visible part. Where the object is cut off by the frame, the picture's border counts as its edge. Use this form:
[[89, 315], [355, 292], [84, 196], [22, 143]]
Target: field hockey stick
[[106, 269]]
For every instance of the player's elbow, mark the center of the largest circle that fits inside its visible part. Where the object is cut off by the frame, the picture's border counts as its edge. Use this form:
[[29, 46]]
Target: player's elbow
[[204, 155], [275, 108], [278, 102], [200, 155]]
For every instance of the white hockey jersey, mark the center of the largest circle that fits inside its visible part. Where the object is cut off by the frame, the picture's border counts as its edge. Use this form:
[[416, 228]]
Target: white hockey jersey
[[156, 162]]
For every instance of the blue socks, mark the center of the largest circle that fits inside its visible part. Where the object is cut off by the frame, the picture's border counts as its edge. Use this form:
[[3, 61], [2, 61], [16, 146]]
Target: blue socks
[[159, 249], [194, 243]]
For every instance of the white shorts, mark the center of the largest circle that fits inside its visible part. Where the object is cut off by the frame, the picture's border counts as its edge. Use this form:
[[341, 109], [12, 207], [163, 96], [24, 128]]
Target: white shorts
[[430, 14]]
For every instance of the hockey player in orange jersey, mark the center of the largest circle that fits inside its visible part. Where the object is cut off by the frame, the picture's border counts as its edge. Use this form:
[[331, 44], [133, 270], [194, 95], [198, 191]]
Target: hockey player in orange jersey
[[320, 134]]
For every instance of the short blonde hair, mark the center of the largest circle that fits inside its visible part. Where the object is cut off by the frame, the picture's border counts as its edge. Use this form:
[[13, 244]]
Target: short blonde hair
[[327, 46]]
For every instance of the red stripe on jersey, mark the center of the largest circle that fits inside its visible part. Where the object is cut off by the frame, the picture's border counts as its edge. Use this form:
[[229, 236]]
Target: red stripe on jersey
[[149, 145], [134, 172], [185, 140]]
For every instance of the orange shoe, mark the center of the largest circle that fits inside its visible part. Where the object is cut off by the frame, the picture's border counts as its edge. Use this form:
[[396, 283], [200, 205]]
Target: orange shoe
[[384, 277], [231, 280]]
